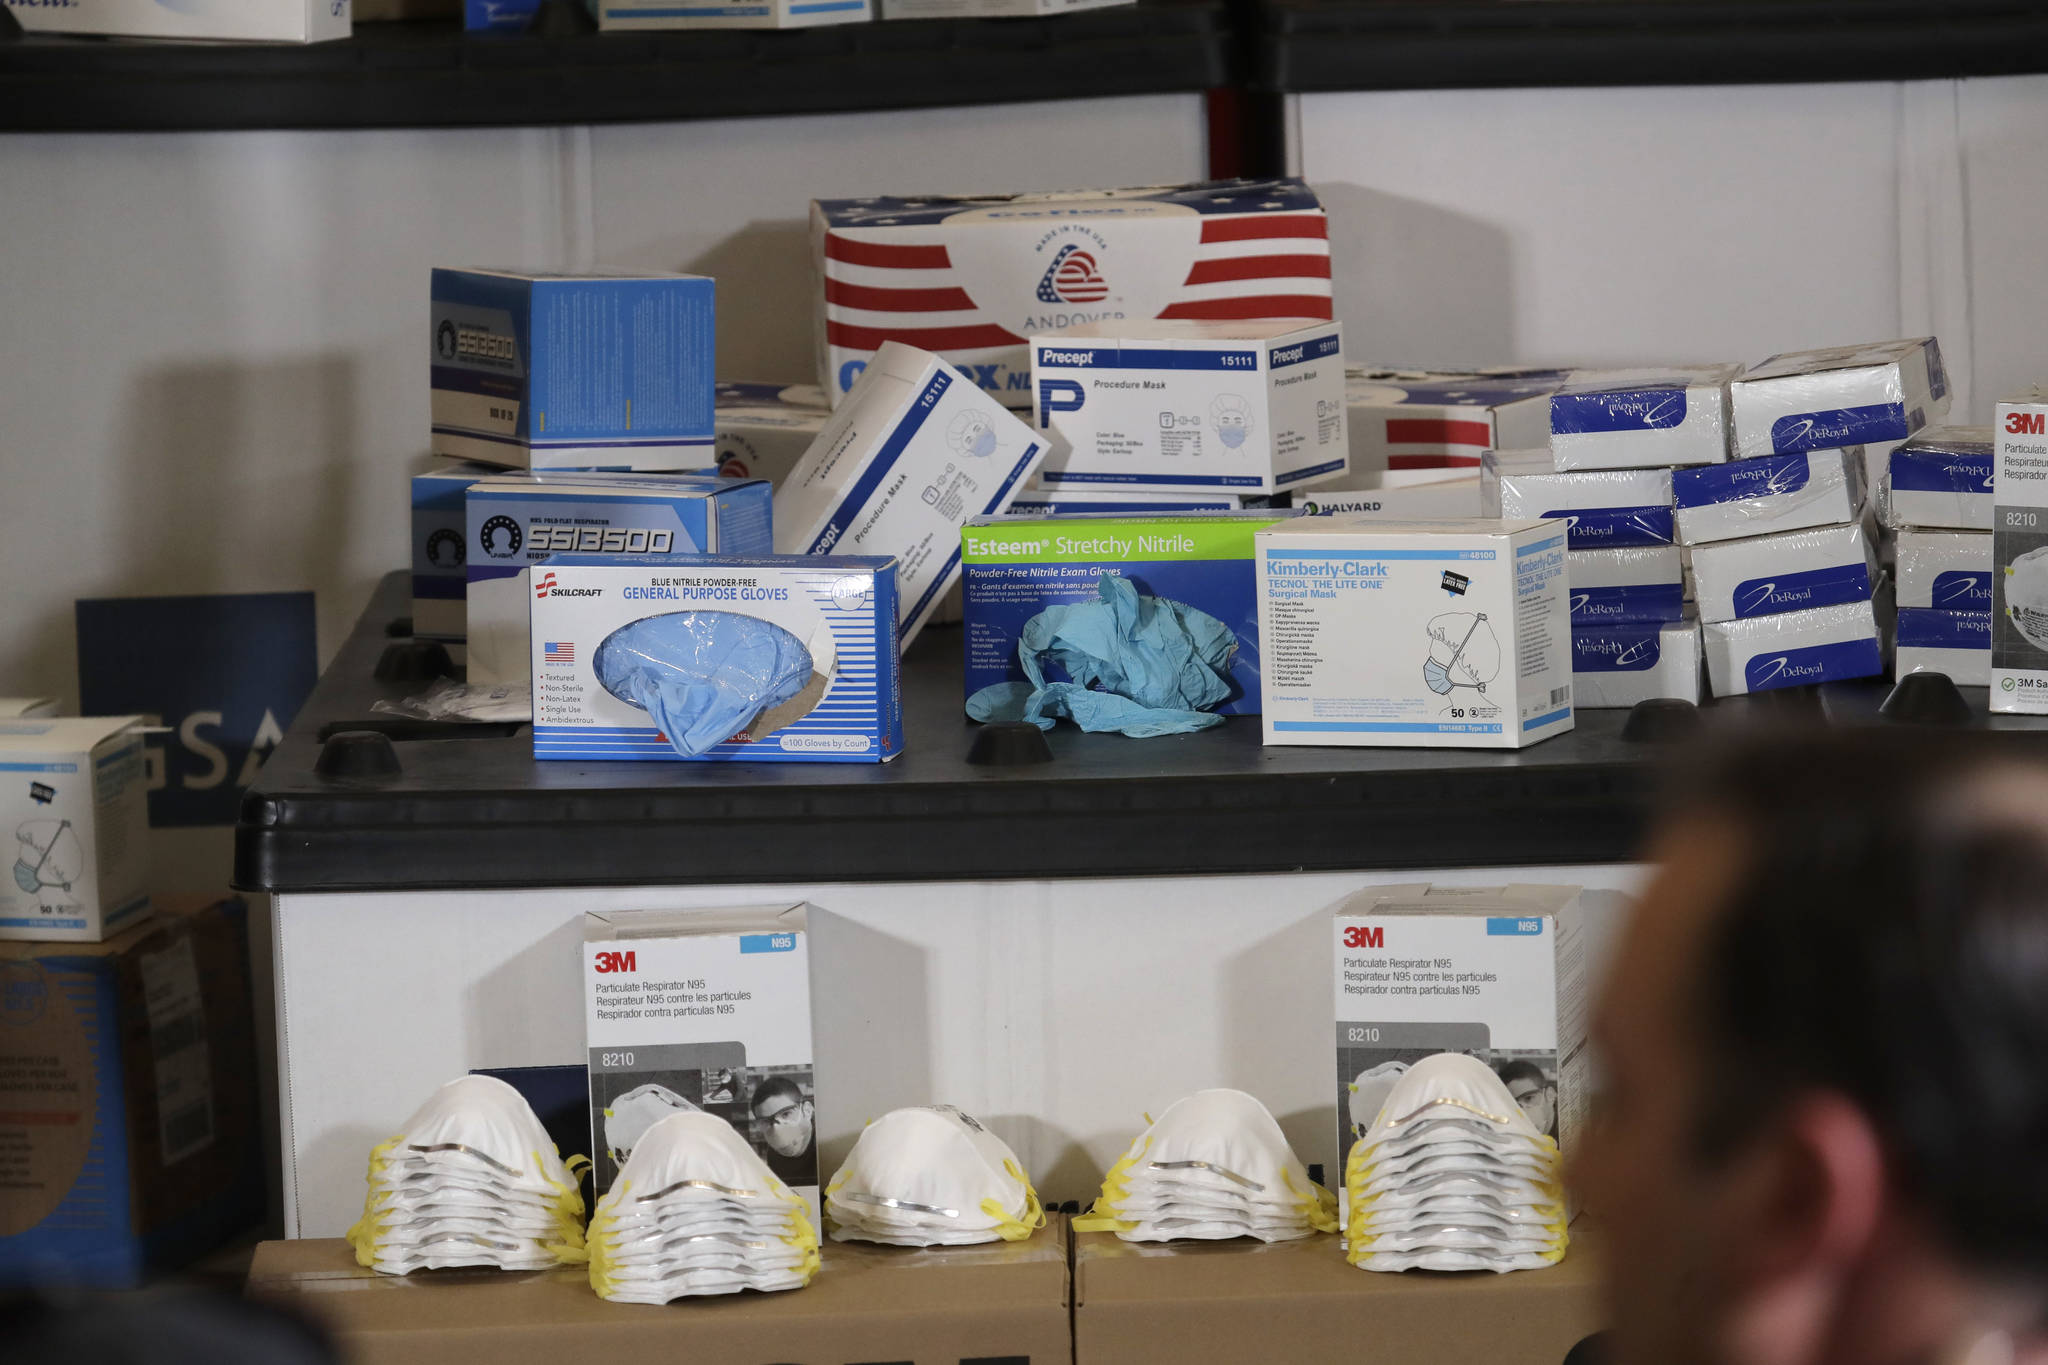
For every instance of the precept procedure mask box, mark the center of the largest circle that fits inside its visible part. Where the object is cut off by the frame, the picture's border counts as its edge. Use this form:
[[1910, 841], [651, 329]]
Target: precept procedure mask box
[[1791, 571], [1621, 663], [1633, 419], [764, 429], [1412, 426], [2019, 555], [1942, 476], [537, 371], [1838, 396], [708, 1010], [74, 808], [1254, 407], [1773, 493]]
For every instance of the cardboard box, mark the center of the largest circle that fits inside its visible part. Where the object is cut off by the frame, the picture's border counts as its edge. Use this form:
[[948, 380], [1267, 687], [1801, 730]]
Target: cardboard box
[[1632, 419], [1423, 425], [440, 540], [257, 21], [713, 1006], [989, 9], [609, 370], [74, 801], [975, 278], [1799, 648], [1942, 476], [1301, 1302], [20, 708], [1601, 508], [911, 455], [764, 429], [2019, 555], [129, 1137], [1257, 407], [1002, 1302], [1624, 662], [1631, 583], [1957, 643], [1445, 633], [1017, 566], [515, 521], [625, 16], [1445, 500], [1773, 493], [1838, 396], [1765, 575], [1945, 570]]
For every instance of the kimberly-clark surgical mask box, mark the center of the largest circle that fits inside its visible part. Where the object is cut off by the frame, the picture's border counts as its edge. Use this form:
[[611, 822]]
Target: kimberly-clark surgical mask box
[[440, 539], [1942, 477], [617, 16], [912, 455], [1765, 575], [716, 659], [74, 802], [609, 371], [1409, 426], [1621, 663], [1799, 648], [1632, 419], [976, 278], [1253, 407], [517, 520], [1957, 643], [2019, 555], [1628, 583], [1837, 397], [1016, 567], [1944, 570], [1773, 493], [702, 1010], [1602, 508], [1443, 500], [1439, 633], [254, 21], [1501, 973]]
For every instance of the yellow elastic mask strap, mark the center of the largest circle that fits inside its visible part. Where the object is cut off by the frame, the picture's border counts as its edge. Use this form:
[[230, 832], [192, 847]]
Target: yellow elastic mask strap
[[839, 1181], [1009, 1227]]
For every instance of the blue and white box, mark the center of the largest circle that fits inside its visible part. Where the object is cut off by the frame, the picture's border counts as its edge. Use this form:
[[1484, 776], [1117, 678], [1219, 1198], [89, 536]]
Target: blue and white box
[[1604, 508], [1957, 643], [1631, 583], [617, 16], [1837, 397], [74, 813], [1942, 477], [1625, 662], [1790, 571], [1633, 419], [1442, 500], [1118, 502], [913, 453], [440, 541], [842, 608], [764, 429], [1798, 648], [536, 371], [1192, 407], [515, 521], [1944, 570], [1775, 493]]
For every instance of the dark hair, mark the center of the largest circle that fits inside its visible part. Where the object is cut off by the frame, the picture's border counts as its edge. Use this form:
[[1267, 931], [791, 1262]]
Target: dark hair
[[1520, 1069], [773, 1086], [1887, 939]]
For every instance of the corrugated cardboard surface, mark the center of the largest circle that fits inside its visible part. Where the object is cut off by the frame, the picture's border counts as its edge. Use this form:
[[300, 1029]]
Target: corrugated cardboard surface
[[1004, 1302], [1301, 1302]]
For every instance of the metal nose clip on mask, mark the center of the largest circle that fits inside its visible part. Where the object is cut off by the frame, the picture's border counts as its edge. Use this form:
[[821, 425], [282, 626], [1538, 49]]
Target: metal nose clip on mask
[[705, 676], [1452, 1175], [931, 1176], [1215, 1165]]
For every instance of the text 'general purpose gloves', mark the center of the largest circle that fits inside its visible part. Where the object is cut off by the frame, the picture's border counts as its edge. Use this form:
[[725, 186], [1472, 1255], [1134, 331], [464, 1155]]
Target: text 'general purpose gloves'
[[703, 675]]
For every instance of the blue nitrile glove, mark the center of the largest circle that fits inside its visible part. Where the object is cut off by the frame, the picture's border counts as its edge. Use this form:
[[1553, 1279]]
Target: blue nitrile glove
[[702, 675]]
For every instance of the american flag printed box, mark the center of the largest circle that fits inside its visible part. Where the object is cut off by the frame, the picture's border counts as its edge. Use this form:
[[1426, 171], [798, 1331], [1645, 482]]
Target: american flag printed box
[[1422, 426]]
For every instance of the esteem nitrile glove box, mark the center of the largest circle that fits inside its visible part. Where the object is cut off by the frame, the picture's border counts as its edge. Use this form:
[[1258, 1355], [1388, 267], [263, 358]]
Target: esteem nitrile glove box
[[1446, 633], [536, 371], [1603, 508], [1942, 476], [764, 429], [1790, 571], [1420, 425], [1632, 419], [1838, 396], [1944, 570], [440, 539], [974, 279], [615, 16], [75, 815], [1798, 648], [1251, 407], [913, 454], [2019, 555], [254, 21], [1629, 583], [1620, 663], [1774, 493], [1956, 643]]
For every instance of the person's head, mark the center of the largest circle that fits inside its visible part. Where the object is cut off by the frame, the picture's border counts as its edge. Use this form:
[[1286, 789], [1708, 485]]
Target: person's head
[[1532, 1090], [782, 1115], [1824, 1131]]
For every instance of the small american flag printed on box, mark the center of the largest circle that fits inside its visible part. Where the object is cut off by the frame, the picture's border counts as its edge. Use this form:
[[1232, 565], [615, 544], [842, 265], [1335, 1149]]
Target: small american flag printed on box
[[552, 652]]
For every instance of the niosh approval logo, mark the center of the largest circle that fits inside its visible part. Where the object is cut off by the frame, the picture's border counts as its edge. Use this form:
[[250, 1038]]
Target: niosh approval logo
[[1073, 277]]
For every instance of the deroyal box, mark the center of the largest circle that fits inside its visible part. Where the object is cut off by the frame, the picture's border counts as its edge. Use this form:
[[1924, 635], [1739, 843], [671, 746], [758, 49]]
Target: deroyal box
[[764, 429], [625, 16], [1423, 425], [975, 278], [1016, 567], [74, 805], [1772, 493], [608, 370], [702, 1009], [1446, 633], [1601, 508], [254, 21], [1942, 476], [1838, 396], [1799, 648], [1944, 570], [440, 549], [1442, 500], [2019, 555], [988, 9], [762, 659], [1621, 663], [912, 455], [1955, 643], [1790, 571], [1255, 407], [1627, 583], [517, 520], [1631, 419]]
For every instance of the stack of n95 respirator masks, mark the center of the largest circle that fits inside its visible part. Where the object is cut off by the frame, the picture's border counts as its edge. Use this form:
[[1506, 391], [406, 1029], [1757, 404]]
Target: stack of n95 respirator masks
[[1453, 1176], [931, 1176], [471, 1180], [696, 1211], [1215, 1165]]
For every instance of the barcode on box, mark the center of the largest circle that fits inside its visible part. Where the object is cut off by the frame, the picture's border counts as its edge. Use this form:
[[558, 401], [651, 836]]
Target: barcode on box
[[1560, 694], [177, 1035]]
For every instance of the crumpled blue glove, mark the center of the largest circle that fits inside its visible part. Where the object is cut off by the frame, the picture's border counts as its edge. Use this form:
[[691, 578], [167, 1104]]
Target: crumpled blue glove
[[1141, 666], [702, 675]]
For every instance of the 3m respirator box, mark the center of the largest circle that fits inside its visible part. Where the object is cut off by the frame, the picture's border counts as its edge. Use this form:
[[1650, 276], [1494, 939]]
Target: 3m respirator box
[[1413, 426], [1799, 648], [764, 429], [255, 21], [440, 549], [1016, 567], [1944, 570], [74, 803], [1955, 643], [1765, 575], [1626, 583], [1942, 476], [1601, 508], [1191, 406], [1838, 396], [625, 16], [1499, 973], [2019, 555], [610, 371], [715, 658], [518, 520], [707, 1010], [1629, 419], [912, 455], [1446, 633], [974, 279], [1769, 494], [1620, 663]]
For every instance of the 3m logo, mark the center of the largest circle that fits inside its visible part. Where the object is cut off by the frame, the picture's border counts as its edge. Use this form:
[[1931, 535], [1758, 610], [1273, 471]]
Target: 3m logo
[[546, 584], [2027, 424], [1072, 278], [1365, 936], [607, 963]]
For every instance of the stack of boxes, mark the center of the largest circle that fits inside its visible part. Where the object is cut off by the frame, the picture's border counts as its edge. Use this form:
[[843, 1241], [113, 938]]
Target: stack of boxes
[[1937, 507], [1417, 438]]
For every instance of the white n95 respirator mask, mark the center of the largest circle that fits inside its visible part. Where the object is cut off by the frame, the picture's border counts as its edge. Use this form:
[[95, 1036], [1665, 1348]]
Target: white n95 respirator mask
[[634, 1112], [2026, 596], [931, 1176]]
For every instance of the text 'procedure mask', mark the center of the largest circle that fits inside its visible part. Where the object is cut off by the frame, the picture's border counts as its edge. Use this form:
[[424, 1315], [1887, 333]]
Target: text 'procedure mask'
[[705, 676]]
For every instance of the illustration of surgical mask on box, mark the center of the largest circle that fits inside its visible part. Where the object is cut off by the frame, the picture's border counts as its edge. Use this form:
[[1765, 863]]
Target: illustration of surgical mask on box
[[50, 856], [973, 433], [1232, 418]]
